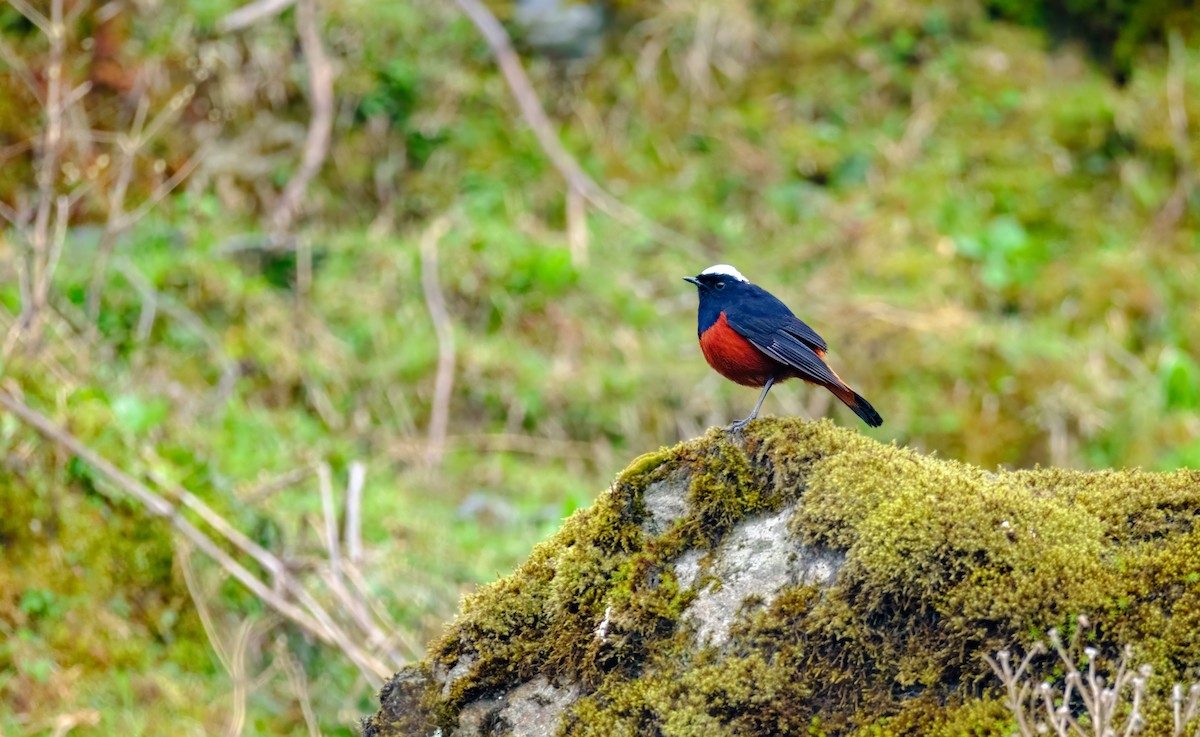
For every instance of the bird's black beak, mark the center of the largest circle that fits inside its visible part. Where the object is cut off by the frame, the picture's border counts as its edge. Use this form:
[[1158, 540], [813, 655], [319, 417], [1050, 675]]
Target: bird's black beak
[[692, 279]]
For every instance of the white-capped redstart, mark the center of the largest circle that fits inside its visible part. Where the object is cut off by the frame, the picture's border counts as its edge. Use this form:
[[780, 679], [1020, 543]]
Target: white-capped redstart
[[750, 337]]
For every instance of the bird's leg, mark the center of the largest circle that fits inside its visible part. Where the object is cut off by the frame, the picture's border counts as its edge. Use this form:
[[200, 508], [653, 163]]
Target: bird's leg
[[740, 424]]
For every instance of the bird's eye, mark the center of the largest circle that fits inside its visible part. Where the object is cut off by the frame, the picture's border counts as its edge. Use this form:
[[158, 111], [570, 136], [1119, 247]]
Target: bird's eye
[[720, 285]]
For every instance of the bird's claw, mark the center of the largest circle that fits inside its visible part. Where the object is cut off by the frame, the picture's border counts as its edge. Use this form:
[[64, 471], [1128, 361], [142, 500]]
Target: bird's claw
[[738, 426]]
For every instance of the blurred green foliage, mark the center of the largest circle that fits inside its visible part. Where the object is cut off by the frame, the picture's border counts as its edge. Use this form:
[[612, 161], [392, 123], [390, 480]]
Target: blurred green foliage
[[1113, 31], [997, 240]]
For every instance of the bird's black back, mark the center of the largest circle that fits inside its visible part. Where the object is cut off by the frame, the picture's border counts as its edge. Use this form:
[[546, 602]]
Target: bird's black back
[[753, 311]]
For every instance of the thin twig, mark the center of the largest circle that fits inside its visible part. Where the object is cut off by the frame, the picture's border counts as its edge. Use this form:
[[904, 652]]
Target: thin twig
[[241, 682], [1170, 213], [248, 15], [577, 232], [320, 92], [201, 602], [282, 576], [187, 318], [326, 631], [299, 683], [353, 529], [234, 664], [39, 272], [398, 634], [258, 493], [332, 572], [164, 189], [127, 148], [444, 381], [531, 109], [34, 16], [329, 514], [17, 66]]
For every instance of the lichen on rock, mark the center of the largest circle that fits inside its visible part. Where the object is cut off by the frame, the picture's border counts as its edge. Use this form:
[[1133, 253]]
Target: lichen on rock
[[800, 578]]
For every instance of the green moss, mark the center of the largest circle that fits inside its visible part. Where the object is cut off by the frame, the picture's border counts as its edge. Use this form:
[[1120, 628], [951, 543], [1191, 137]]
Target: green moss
[[944, 562]]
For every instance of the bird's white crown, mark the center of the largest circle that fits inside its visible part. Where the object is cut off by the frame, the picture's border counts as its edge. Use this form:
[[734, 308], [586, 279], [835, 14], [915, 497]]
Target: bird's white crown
[[725, 269]]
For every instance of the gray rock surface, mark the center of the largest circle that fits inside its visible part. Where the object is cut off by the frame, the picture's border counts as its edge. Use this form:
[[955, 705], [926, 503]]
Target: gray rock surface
[[757, 559], [529, 710], [665, 501]]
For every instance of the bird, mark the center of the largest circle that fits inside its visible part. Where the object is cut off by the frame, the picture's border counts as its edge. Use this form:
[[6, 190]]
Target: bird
[[750, 337]]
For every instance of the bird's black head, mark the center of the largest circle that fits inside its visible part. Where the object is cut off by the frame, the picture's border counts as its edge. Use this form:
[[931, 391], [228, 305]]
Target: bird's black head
[[717, 279], [720, 288]]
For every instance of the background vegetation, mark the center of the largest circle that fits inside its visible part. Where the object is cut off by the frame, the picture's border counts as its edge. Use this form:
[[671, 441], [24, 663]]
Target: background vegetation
[[988, 209]]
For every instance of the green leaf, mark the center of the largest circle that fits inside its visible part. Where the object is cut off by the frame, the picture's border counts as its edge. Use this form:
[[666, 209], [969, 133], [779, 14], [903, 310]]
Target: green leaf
[[1180, 377], [136, 415]]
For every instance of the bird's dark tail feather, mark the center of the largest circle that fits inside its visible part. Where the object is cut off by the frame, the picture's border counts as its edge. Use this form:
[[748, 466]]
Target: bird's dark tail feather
[[861, 406]]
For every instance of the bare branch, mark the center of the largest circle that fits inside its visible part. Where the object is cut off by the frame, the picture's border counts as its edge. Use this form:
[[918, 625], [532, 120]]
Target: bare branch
[[76, 94], [531, 109], [320, 92], [444, 382], [153, 502], [322, 627], [9, 214], [279, 571], [39, 271]]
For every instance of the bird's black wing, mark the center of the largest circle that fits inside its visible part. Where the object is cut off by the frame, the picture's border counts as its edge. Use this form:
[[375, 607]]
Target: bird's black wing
[[757, 302], [776, 338], [800, 329]]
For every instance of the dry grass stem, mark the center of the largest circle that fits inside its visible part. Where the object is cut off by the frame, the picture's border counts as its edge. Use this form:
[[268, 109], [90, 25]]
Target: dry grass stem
[[577, 232], [299, 683], [320, 93], [40, 258], [129, 145], [64, 723], [436, 302], [285, 580], [316, 620], [1185, 710], [353, 530], [1176, 205], [1090, 702], [329, 514], [334, 572], [261, 490], [531, 109], [234, 663], [248, 15]]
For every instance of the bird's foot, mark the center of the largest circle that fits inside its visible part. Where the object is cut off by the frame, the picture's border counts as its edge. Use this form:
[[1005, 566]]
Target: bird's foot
[[738, 426]]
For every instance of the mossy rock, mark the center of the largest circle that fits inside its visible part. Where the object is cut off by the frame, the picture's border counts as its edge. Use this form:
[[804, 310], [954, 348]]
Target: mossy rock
[[803, 579]]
